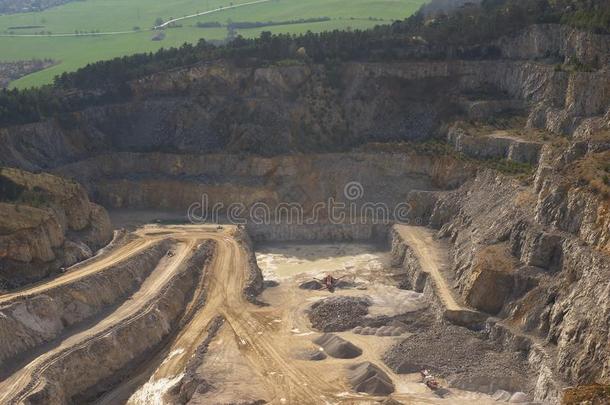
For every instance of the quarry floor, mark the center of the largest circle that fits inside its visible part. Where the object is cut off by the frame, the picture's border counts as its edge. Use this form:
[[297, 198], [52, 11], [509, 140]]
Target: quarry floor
[[254, 354]]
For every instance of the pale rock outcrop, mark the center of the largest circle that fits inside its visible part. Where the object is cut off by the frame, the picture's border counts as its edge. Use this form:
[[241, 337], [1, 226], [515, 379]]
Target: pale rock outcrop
[[556, 237], [51, 225], [498, 145]]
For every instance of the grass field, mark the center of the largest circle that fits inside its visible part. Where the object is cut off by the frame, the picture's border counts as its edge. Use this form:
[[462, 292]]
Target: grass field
[[105, 16]]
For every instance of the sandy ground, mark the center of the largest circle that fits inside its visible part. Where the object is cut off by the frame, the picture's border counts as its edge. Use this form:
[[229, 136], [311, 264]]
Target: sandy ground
[[285, 326], [255, 355], [421, 240]]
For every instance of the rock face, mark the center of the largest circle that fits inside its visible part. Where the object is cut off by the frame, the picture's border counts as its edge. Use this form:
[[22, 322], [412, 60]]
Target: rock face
[[47, 222], [494, 146], [218, 107], [174, 181], [29, 322], [558, 42], [255, 283], [536, 255], [490, 282]]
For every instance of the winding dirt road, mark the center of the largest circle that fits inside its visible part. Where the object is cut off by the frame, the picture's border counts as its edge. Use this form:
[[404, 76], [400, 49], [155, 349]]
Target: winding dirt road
[[16, 387], [226, 276], [255, 350], [251, 326], [96, 265], [420, 240]]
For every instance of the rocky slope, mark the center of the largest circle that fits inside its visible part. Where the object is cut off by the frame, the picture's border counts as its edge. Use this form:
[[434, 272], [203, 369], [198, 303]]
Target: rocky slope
[[47, 222], [218, 107], [28, 322], [176, 181], [543, 251]]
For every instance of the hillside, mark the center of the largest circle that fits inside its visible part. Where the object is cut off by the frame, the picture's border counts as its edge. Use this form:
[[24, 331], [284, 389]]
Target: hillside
[[82, 32]]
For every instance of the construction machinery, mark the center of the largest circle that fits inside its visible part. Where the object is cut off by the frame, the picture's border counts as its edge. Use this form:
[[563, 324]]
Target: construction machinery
[[429, 380], [329, 282]]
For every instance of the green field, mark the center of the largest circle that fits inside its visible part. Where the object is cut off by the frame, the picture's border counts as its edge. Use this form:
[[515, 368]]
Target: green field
[[103, 16]]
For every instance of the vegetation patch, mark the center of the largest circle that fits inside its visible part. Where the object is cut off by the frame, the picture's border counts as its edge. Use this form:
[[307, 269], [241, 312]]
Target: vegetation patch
[[435, 147], [83, 32], [593, 172], [595, 394]]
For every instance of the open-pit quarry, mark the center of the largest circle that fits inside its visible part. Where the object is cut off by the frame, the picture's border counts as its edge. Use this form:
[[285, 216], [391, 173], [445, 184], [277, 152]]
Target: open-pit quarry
[[428, 230], [180, 313]]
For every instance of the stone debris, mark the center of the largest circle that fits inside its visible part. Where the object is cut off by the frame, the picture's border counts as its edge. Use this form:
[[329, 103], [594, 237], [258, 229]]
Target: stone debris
[[381, 331], [519, 398], [501, 396], [339, 313], [369, 378], [311, 354], [338, 347], [466, 359]]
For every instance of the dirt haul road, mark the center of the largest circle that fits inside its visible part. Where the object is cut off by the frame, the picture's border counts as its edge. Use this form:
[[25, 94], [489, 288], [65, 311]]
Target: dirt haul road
[[226, 277], [16, 387], [251, 326], [98, 264], [421, 241]]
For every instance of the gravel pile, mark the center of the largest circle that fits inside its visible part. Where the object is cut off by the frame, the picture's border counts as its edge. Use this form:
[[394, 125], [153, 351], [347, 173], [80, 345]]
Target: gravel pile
[[336, 314], [339, 314], [382, 331], [311, 354], [367, 377], [338, 347], [465, 358], [316, 285]]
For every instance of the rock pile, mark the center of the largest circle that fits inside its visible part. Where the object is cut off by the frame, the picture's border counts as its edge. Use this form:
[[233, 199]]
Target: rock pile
[[381, 331], [336, 314], [338, 347], [369, 378]]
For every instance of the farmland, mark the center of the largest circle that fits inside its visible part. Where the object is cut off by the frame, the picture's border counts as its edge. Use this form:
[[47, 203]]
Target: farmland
[[81, 32]]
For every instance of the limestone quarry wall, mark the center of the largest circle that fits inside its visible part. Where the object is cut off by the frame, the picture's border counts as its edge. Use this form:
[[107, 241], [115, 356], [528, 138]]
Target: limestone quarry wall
[[27, 322], [51, 224], [560, 42], [549, 281], [79, 373], [548, 385], [217, 107], [171, 181]]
